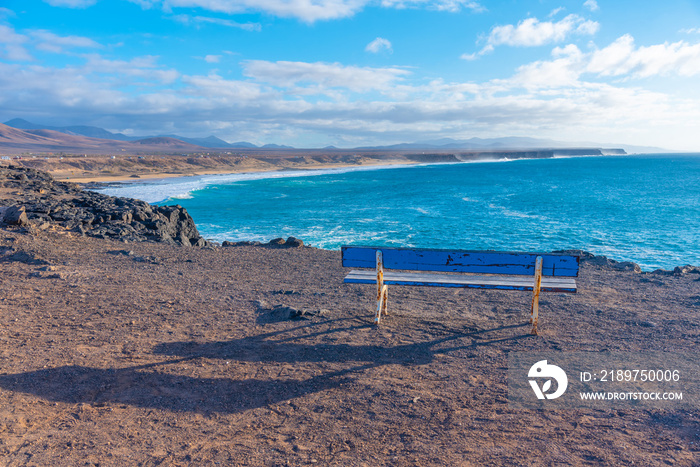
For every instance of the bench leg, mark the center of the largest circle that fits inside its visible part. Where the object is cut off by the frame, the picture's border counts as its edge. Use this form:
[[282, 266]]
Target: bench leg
[[381, 288], [385, 292], [381, 304], [535, 308]]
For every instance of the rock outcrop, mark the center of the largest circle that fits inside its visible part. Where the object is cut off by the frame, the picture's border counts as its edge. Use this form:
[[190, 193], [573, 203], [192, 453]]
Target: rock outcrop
[[678, 270], [13, 215], [291, 242], [599, 260], [34, 198]]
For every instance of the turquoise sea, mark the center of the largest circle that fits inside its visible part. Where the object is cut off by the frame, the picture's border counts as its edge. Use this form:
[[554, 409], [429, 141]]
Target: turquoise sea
[[641, 208]]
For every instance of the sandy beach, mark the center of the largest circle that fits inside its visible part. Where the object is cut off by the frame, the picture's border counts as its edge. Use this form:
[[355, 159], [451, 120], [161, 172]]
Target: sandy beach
[[105, 169], [144, 353]]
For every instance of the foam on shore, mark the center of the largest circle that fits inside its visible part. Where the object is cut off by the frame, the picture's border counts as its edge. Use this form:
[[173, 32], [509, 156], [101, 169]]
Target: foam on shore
[[160, 189], [157, 190]]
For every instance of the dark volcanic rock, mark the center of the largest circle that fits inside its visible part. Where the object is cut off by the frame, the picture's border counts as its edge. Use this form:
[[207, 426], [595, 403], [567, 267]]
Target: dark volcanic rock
[[13, 215], [687, 269], [604, 261], [94, 214], [226, 243], [291, 242], [678, 271]]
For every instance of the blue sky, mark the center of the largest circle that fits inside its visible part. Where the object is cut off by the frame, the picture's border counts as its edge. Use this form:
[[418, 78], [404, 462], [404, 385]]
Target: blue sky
[[312, 73]]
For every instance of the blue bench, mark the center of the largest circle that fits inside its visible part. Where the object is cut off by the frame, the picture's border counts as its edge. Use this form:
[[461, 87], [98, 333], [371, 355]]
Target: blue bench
[[536, 272]]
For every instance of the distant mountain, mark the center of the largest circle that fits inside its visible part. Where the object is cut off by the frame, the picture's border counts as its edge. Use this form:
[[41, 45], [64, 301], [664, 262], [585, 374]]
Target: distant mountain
[[80, 130], [166, 142], [276, 146], [44, 140], [512, 142], [96, 132], [449, 144], [242, 144], [480, 144], [22, 124], [10, 135], [208, 142]]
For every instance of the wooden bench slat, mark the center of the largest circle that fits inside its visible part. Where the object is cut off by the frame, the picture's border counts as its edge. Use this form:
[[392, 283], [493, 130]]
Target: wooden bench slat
[[549, 284], [479, 262]]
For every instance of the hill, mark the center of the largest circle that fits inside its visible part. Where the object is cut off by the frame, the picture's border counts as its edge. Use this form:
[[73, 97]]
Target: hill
[[101, 133], [13, 140]]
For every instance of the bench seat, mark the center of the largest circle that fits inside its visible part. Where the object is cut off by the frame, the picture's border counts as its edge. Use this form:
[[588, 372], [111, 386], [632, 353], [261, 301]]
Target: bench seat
[[549, 284]]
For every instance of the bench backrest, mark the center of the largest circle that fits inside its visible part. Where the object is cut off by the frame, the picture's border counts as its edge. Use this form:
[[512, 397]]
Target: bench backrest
[[481, 262]]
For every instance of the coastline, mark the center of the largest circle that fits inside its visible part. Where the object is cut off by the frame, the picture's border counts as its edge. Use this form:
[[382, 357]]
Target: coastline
[[123, 177], [91, 168], [111, 169]]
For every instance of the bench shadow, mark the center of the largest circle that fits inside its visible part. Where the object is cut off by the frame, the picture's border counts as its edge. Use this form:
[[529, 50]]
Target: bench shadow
[[144, 387], [156, 386], [284, 346]]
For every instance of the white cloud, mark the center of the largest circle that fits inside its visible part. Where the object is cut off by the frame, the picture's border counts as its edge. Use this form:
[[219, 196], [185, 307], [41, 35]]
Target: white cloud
[[531, 33], [9, 36], [16, 53], [591, 5], [145, 67], [326, 75], [487, 49], [12, 45], [216, 87], [690, 31], [378, 45], [439, 5], [212, 58], [6, 12], [54, 91], [563, 71], [307, 10], [620, 59], [50, 42], [623, 58], [199, 20], [71, 3], [555, 12]]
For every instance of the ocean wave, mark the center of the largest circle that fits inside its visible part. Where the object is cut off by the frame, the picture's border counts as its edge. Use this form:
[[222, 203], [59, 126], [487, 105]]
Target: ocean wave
[[156, 190], [162, 189]]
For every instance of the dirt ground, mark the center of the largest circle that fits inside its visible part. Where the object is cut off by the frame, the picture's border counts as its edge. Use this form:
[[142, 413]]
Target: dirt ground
[[150, 354]]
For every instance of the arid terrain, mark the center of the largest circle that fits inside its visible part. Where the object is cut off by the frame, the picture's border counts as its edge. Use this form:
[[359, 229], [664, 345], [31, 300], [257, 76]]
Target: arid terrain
[[145, 353], [104, 168]]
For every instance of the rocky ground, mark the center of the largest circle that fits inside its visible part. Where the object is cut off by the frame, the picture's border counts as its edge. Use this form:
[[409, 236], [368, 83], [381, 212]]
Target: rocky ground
[[155, 353], [48, 203]]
